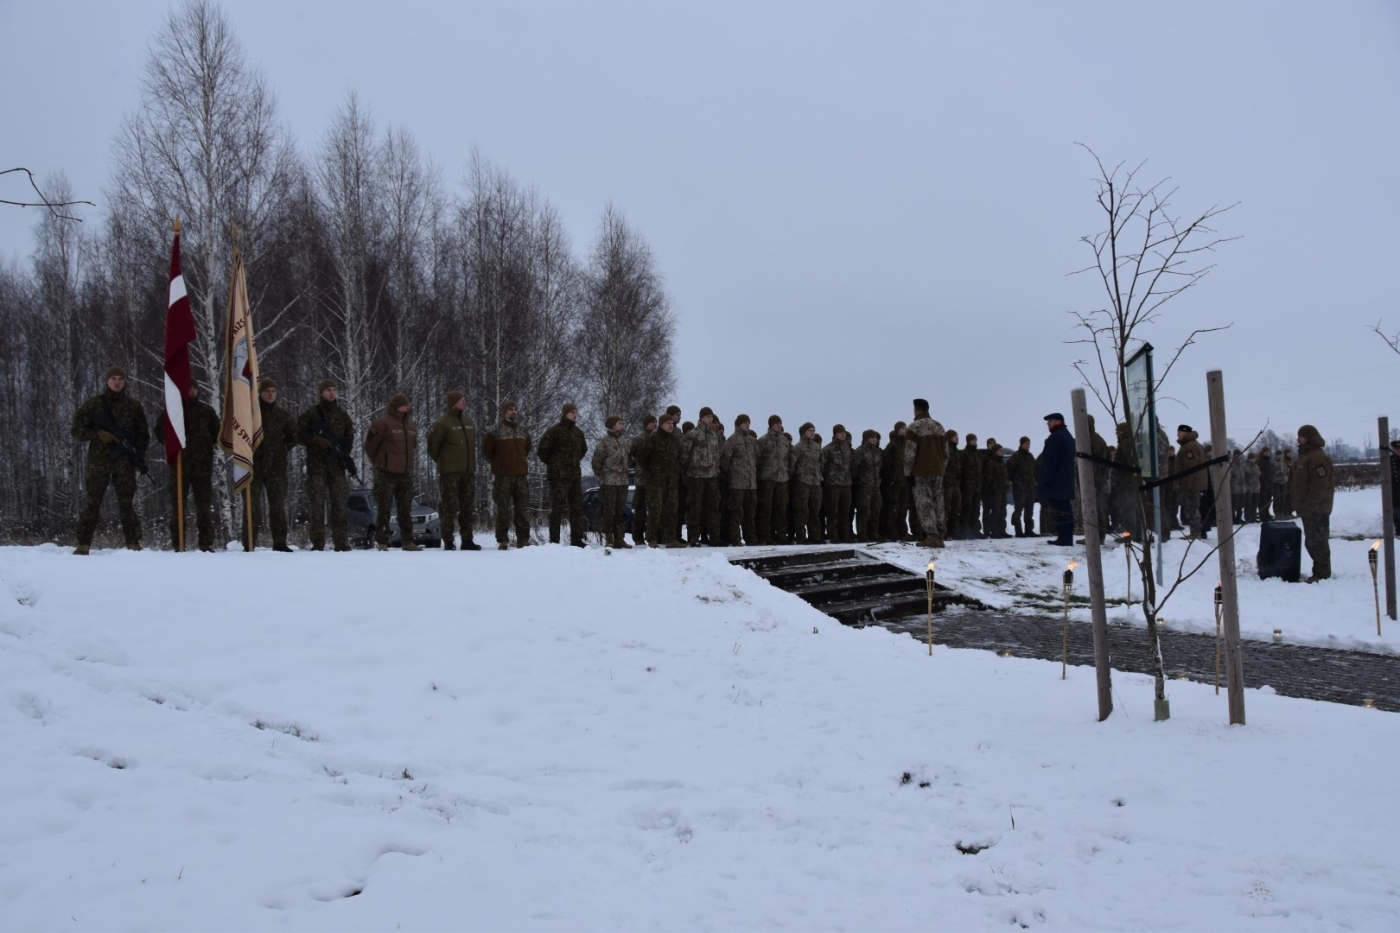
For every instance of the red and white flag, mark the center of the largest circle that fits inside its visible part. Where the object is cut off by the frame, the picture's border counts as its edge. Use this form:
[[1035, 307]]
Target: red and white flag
[[179, 334], [241, 431]]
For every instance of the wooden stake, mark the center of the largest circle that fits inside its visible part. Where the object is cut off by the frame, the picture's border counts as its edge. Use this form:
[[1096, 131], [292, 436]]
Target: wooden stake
[[1224, 526], [1387, 515], [180, 501], [248, 514], [1088, 505]]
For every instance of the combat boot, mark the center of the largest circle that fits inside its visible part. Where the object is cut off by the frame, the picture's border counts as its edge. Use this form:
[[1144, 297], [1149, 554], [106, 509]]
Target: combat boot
[[411, 545], [469, 545], [81, 550], [620, 543], [134, 546], [503, 545], [282, 547], [379, 547], [448, 545]]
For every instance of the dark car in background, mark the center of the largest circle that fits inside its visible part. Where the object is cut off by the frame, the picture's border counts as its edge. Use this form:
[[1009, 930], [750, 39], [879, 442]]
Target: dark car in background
[[593, 509], [362, 515]]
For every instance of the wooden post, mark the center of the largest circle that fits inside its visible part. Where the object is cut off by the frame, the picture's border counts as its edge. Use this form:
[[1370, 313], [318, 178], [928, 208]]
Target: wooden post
[[248, 515], [1224, 526], [1387, 516], [1088, 509], [180, 499]]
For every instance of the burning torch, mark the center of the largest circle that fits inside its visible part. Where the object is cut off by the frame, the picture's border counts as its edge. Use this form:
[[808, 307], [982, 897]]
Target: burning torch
[[1128, 558], [1064, 632], [929, 585], [1219, 608], [1372, 556]]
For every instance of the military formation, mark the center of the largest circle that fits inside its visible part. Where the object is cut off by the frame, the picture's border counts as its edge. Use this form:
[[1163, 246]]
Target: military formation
[[691, 483]]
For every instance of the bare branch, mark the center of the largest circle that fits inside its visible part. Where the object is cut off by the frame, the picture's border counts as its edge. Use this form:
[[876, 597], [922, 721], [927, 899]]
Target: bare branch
[[43, 201]]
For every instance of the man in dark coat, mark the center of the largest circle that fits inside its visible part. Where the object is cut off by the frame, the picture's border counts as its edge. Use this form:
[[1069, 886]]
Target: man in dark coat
[[196, 469], [270, 465], [327, 433], [1314, 484], [660, 456], [1020, 471], [110, 458], [1055, 484], [561, 450]]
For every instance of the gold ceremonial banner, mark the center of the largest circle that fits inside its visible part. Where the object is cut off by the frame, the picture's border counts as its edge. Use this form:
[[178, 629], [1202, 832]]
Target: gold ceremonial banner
[[241, 431]]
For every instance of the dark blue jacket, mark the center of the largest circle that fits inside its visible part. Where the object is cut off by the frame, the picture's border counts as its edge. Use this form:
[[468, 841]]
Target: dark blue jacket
[[1056, 480]]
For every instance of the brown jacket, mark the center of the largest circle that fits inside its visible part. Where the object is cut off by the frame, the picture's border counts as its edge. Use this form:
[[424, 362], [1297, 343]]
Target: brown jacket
[[1314, 480], [1191, 454], [925, 447], [506, 446], [391, 440]]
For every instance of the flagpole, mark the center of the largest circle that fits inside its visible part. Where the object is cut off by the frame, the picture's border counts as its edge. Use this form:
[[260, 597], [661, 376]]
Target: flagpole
[[180, 501], [248, 514]]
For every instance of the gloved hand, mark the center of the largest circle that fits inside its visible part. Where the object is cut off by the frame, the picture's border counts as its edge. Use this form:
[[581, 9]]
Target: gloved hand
[[106, 437], [321, 442]]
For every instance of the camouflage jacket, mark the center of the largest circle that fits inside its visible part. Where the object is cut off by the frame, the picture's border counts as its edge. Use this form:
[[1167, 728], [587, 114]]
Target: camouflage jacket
[[972, 459], [1283, 471], [740, 460], [338, 423], [836, 463], [994, 483], [1251, 477], [892, 463], [279, 437], [610, 460], [807, 462], [925, 452], [1099, 448], [1237, 472], [774, 457], [634, 449], [506, 447], [1020, 471], [202, 426], [562, 450], [867, 462], [660, 456], [126, 412], [452, 443], [701, 449]]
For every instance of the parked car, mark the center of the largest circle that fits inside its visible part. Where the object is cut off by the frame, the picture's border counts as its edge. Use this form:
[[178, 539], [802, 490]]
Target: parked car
[[593, 509], [362, 515]]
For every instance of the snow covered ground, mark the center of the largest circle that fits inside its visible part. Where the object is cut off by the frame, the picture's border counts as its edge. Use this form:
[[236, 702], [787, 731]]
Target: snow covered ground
[[554, 739]]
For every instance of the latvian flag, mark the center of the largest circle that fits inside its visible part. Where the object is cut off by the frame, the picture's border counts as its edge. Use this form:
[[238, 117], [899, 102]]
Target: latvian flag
[[179, 334]]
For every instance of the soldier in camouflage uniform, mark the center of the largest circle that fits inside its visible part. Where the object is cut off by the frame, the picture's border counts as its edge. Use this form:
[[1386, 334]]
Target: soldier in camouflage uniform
[[1314, 485], [1283, 481], [106, 463], [926, 452], [1190, 454], [452, 446], [1020, 472], [836, 485], [972, 460], [610, 466], [774, 468], [322, 429], [1266, 484], [894, 491], [867, 462], [1124, 485], [561, 450], [1251, 488], [270, 465], [391, 444], [639, 495], [740, 463], [701, 449], [994, 487], [202, 426], [507, 447], [660, 457], [806, 489], [679, 428], [952, 486]]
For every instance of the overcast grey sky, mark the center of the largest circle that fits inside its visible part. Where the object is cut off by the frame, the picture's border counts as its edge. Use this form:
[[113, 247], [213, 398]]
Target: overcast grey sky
[[854, 204]]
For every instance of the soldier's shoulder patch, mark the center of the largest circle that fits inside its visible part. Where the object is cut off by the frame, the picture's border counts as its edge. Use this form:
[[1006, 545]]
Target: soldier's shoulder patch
[[1322, 471]]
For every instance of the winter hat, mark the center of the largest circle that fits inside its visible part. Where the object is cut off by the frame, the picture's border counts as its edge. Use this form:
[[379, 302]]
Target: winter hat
[[453, 398], [837, 429], [1183, 429], [805, 426], [673, 410], [507, 406], [1024, 439], [648, 419], [568, 407], [325, 384], [868, 433], [742, 419], [921, 404], [1054, 416], [992, 442], [774, 419], [707, 411], [398, 400], [1309, 433], [265, 383], [667, 418], [611, 421], [900, 424], [114, 371], [688, 426]]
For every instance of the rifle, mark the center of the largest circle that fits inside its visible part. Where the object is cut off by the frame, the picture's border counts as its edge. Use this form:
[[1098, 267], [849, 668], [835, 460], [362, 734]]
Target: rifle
[[339, 451], [123, 447]]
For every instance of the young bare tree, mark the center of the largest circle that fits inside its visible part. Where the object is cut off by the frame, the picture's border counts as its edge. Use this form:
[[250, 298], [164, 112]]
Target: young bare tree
[[627, 326], [1147, 255]]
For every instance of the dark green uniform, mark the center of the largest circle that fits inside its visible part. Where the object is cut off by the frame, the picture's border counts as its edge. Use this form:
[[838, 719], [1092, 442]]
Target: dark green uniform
[[972, 461], [561, 449], [994, 487], [107, 465], [894, 491], [660, 456], [866, 464], [1020, 472], [197, 467], [326, 484], [452, 446], [836, 490], [952, 489], [270, 471]]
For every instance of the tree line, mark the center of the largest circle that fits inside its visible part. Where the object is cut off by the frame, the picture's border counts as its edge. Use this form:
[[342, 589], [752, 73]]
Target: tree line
[[363, 265]]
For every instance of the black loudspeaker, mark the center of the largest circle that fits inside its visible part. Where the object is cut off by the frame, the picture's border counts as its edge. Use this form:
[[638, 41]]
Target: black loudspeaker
[[1280, 551]]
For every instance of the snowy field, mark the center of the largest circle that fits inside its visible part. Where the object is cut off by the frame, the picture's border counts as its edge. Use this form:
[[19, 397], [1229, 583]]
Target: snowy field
[[561, 740]]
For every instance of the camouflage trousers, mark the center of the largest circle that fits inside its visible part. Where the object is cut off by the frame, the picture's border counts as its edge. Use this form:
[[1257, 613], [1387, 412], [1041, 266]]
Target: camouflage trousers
[[566, 495], [201, 489], [122, 475], [1283, 500], [614, 501], [393, 489], [994, 515], [639, 515], [1191, 512], [702, 509], [456, 505], [952, 507], [929, 503], [661, 511], [743, 510], [836, 500], [1023, 512], [806, 512], [869, 510], [328, 488], [511, 496], [1316, 531], [1266, 498], [771, 513], [274, 486], [971, 511], [895, 499]]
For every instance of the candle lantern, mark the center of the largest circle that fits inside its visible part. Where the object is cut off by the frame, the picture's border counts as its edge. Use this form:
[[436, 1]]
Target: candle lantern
[[1371, 556], [1128, 561], [1278, 636], [929, 587], [1219, 608], [1064, 631]]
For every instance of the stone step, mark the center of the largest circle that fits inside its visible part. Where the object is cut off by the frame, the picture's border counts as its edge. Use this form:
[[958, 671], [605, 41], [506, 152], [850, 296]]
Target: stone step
[[770, 562], [788, 578], [882, 610]]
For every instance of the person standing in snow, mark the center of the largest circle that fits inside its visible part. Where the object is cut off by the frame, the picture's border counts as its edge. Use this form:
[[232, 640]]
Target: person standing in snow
[[197, 468], [108, 462], [1055, 484], [610, 466], [452, 446], [506, 447], [327, 432], [925, 455], [561, 450], [1314, 482], [270, 465], [1189, 489], [391, 443]]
